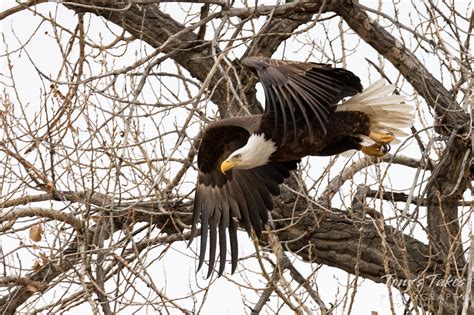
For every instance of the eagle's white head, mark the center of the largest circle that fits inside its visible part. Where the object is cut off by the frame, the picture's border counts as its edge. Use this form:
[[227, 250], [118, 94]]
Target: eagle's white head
[[255, 153]]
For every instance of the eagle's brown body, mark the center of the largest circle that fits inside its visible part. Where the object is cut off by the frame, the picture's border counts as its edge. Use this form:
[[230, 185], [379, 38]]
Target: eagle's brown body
[[344, 126]]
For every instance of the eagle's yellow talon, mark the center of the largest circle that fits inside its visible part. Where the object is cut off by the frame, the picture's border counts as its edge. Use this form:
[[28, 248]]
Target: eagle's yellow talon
[[381, 137], [374, 150]]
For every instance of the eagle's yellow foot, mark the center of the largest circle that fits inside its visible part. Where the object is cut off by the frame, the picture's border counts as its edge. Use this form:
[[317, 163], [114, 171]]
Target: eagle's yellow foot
[[382, 137], [376, 150]]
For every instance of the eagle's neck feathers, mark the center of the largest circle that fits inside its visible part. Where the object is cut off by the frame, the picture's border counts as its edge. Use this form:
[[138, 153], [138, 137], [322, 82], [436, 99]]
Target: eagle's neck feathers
[[256, 152]]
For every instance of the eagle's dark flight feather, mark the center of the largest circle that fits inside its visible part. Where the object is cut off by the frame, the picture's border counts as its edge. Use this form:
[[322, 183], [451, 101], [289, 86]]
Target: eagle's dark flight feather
[[222, 202], [307, 92]]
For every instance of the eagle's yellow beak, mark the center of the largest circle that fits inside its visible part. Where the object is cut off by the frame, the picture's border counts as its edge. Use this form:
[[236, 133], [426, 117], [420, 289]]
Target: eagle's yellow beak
[[228, 165]]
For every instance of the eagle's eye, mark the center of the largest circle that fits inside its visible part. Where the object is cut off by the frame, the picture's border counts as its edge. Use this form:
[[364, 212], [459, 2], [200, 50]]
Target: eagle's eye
[[237, 156]]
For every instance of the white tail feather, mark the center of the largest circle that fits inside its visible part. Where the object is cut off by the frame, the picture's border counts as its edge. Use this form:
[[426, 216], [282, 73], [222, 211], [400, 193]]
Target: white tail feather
[[387, 112]]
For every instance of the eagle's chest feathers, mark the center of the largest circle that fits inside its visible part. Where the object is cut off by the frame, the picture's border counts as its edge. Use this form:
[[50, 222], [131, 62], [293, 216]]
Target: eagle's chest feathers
[[304, 146]]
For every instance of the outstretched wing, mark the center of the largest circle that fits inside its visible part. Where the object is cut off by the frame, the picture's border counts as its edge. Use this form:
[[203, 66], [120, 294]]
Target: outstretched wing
[[298, 93], [223, 202]]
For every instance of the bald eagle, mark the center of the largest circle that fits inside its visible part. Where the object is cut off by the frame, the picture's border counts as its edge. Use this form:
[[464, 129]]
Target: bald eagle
[[243, 160]]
